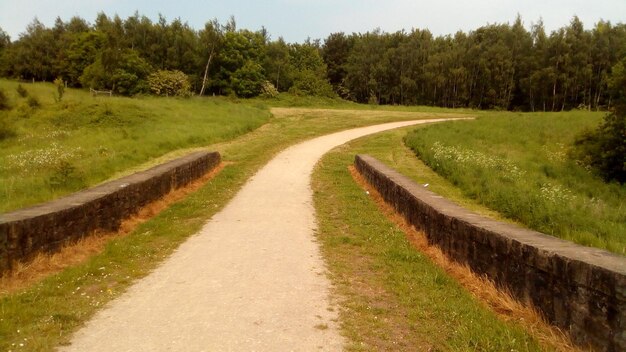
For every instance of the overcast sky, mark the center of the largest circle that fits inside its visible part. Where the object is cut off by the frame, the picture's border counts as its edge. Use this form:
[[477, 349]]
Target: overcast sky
[[295, 20]]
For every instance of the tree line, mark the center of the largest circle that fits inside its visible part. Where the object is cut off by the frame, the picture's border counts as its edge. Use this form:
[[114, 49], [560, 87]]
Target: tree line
[[497, 66], [120, 54]]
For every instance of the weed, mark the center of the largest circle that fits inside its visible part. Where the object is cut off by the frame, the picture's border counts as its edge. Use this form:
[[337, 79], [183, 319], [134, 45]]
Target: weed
[[60, 86], [21, 91], [65, 174], [33, 102]]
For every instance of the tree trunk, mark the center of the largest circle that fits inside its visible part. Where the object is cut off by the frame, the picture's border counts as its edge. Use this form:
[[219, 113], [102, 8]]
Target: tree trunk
[[206, 72]]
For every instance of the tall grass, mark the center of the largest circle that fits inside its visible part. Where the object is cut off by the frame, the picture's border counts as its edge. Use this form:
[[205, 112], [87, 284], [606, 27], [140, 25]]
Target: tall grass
[[55, 148], [517, 164]]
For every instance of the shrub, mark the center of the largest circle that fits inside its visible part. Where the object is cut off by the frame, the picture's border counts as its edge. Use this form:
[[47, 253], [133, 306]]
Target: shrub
[[60, 84], [169, 83], [21, 91], [268, 90], [307, 82], [247, 81], [604, 149]]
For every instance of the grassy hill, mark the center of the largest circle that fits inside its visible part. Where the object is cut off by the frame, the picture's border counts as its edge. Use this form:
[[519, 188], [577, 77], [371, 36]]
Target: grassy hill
[[51, 148], [518, 165]]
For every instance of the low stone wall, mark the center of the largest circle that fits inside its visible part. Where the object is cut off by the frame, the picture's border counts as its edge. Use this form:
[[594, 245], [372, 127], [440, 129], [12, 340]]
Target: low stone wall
[[579, 289], [44, 227]]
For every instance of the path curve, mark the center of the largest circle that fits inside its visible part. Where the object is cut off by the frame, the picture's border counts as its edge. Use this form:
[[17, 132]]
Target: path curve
[[251, 280]]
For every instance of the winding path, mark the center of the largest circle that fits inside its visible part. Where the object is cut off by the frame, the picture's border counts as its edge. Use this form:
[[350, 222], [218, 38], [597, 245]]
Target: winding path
[[251, 280]]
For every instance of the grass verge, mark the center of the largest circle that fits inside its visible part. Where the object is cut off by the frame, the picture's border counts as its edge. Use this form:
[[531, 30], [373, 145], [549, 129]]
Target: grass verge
[[395, 297], [44, 315], [518, 165]]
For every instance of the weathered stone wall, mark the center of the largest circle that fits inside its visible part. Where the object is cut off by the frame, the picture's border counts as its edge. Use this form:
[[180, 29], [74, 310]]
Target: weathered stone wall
[[579, 289], [44, 227]]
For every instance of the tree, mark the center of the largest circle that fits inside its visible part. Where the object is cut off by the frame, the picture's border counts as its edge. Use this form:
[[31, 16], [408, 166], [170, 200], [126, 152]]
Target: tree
[[211, 39], [247, 80], [277, 64], [241, 48], [335, 52], [5, 42], [605, 148], [125, 74]]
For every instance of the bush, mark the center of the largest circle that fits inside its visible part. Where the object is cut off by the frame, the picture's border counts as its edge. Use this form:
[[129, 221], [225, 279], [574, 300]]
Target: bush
[[307, 82], [169, 83], [21, 91], [4, 101], [125, 75], [604, 149], [60, 84], [268, 90], [247, 81]]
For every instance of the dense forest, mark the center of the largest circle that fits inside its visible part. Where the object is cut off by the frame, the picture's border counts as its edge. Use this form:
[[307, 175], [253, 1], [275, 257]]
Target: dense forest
[[497, 66]]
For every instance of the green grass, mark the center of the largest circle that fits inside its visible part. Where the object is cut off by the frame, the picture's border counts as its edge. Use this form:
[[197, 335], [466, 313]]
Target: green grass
[[395, 298], [517, 165], [47, 313], [58, 148]]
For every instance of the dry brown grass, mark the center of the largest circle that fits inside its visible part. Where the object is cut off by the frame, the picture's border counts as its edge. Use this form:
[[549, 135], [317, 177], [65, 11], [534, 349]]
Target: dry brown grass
[[498, 300], [43, 265]]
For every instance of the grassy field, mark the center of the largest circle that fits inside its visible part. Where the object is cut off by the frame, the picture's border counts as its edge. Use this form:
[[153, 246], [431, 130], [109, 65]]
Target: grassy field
[[517, 165], [56, 148], [49, 311]]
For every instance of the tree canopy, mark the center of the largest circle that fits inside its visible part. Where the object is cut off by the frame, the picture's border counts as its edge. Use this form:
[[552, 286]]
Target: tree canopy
[[497, 66]]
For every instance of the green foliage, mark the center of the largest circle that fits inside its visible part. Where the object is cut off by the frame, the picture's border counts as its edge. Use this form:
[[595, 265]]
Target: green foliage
[[604, 149], [308, 71], [518, 166], [123, 72], [497, 66], [240, 70], [21, 91], [306, 82], [268, 90], [247, 80], [169, 83]]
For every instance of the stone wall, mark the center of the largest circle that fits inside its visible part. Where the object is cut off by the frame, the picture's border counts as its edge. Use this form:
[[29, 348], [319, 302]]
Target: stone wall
[[45, 227], [579, 289]]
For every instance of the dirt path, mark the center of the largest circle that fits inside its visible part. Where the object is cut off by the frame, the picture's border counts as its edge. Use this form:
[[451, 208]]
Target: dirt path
[[251, 280]]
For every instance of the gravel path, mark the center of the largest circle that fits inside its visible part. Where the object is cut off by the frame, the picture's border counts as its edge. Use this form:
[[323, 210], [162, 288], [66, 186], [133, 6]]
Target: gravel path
[[251, 280]]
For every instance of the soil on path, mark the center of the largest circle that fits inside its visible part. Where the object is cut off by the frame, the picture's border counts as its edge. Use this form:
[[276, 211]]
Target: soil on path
[[251, 280]]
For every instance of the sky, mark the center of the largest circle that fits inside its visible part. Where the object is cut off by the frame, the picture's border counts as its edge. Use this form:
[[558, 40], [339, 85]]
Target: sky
[[297, 20]]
